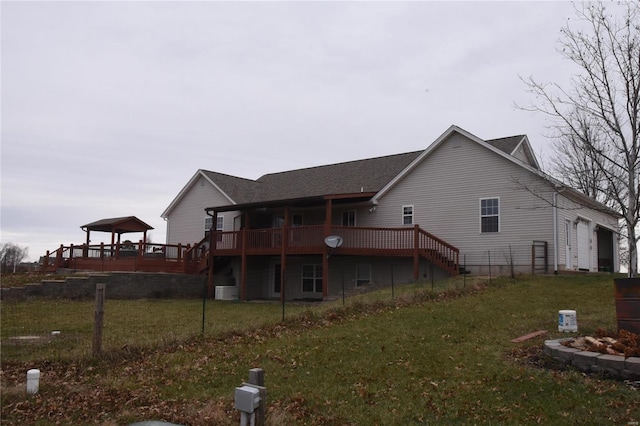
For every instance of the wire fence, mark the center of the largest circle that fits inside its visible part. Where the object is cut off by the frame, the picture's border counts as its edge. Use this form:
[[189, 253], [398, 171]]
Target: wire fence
[[45, 328]]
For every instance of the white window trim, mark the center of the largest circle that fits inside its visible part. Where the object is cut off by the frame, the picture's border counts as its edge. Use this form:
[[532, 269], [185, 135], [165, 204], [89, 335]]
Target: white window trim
[[480, 216], [315, 277], [413, 215]]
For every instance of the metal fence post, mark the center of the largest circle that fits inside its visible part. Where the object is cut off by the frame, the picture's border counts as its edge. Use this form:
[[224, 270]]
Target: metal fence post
[[98, 319]]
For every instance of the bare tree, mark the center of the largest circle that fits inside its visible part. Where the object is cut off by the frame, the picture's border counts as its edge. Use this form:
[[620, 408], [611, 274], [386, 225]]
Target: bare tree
[[597, 118], [10, 256], [579, 170]]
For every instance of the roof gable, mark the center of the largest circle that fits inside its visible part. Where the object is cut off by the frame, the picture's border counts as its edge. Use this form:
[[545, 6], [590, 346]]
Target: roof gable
[[228, 186], [444, 137], [118, 225], [518, 147]]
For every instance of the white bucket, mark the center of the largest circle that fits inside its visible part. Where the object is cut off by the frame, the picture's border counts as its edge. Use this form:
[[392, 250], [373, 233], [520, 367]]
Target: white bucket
[[567, 321], [33, 381]]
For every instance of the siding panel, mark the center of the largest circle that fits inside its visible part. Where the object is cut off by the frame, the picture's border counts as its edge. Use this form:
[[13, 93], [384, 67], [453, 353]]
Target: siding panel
[[185, 223], [445, 190]]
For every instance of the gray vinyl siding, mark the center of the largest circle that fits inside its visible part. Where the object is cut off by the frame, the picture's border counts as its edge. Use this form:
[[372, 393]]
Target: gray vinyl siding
[[521, 154], [186, 220], [445, 190]]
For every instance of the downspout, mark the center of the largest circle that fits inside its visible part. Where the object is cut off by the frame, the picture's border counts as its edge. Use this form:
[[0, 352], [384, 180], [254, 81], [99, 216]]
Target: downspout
[[555, 232]]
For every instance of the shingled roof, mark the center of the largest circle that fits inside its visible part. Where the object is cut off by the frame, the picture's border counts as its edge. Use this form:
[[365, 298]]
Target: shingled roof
[[369, 175], [240, 190], [506, 145]]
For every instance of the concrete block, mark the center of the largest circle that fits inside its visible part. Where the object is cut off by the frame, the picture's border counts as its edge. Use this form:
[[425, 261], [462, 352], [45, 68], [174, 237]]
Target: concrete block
[[584, 360], [611, 361], [632, 364], [629, 375], [566, 354]]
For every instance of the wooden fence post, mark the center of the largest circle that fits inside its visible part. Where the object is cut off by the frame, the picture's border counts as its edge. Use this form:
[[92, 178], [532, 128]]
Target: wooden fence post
[[98, 319]]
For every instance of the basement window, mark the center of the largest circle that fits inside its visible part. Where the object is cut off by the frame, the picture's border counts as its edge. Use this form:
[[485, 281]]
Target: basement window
[[312, 278]]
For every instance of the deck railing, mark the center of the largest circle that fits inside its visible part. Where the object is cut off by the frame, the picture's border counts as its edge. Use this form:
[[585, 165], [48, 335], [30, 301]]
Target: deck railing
[[126, 256], [365, 241]]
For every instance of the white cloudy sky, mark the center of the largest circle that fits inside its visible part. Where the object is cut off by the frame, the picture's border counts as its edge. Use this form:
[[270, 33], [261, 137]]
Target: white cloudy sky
[[109, 108]]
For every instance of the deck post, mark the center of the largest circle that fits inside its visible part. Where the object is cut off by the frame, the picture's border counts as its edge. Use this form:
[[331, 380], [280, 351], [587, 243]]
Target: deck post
[[140, 252], [58, 263], [210, 262], [243, 272], [283, 263], [416, 252], [325, 253]]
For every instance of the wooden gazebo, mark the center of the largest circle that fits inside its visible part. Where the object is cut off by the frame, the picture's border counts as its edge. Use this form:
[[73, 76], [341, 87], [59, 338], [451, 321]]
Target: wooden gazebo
[[137, 255], [117, 226]]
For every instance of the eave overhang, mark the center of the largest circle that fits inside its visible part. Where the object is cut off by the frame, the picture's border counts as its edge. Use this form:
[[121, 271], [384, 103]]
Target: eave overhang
[[319, 200]]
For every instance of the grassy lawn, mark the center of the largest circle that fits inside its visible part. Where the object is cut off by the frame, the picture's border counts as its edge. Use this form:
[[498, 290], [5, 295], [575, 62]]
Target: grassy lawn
[[422, 358]]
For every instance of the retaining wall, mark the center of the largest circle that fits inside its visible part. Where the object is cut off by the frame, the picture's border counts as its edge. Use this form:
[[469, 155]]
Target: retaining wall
[[615, 366], [119, 285]]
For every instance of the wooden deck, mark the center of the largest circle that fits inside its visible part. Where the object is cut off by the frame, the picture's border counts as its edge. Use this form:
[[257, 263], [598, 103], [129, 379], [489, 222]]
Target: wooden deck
[[136, 257], [410, 242]]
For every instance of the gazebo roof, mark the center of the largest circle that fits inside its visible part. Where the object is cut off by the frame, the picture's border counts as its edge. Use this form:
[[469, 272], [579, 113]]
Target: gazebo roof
[[118, 225]]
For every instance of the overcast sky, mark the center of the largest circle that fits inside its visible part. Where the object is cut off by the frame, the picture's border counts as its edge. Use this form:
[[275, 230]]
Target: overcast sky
[[109, 108]]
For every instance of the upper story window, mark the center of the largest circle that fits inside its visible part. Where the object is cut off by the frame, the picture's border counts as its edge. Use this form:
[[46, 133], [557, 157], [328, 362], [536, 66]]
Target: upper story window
[[407, 215], [489, 215], [349, 218], [296, 219], [208, 225]]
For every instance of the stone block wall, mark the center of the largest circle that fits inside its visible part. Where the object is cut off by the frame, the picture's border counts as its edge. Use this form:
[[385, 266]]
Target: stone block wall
[[119, 285], [614, 366]]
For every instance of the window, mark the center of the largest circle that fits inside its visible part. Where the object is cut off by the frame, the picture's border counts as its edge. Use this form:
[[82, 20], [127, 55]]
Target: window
[[296, 219], [489, 215], [363, 274], [407, 215], [312, 278], [349, 218], [208, 225]]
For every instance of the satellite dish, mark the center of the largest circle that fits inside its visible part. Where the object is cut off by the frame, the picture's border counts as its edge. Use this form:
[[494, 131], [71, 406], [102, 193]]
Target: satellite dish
[[333, 241]]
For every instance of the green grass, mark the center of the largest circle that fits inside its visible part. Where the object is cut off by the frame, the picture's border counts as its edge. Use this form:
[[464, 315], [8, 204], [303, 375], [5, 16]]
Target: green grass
[[422, 358], [127, 323]]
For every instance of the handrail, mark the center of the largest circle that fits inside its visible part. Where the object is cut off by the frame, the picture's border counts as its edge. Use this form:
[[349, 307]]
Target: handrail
[[387, 241]]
